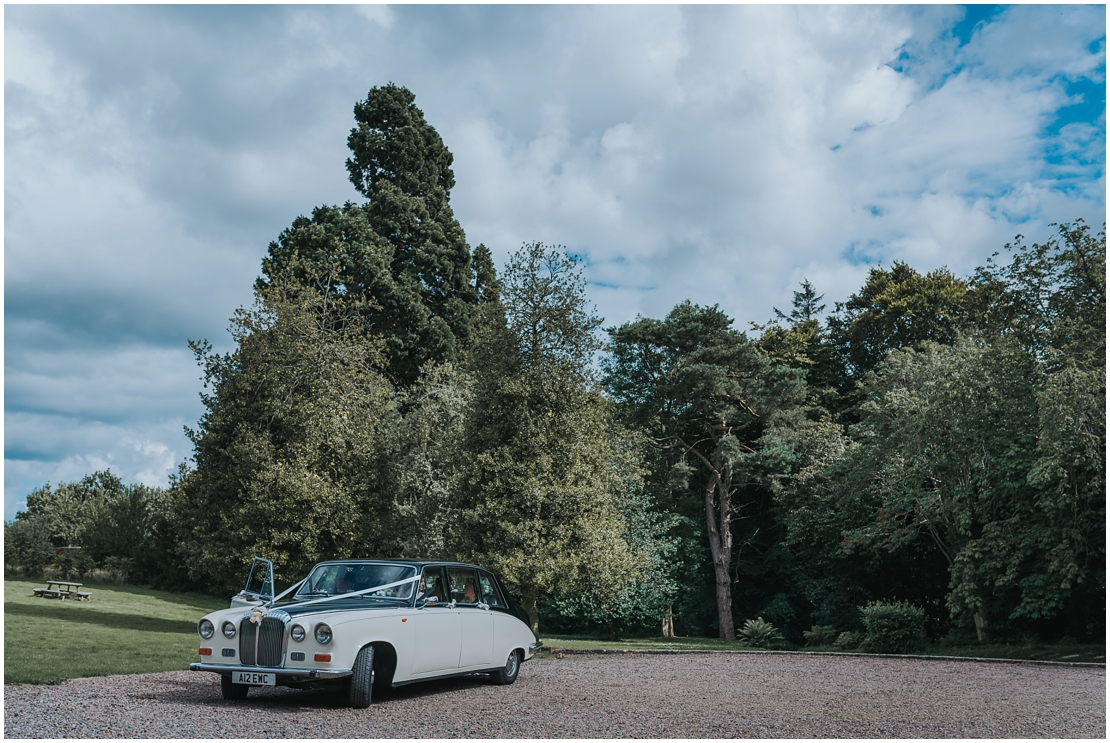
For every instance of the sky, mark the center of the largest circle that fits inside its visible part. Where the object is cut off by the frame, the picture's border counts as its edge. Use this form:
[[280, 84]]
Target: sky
[[721, 154]]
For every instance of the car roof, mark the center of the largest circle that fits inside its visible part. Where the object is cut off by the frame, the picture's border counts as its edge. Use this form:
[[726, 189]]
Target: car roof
[[414, 563]]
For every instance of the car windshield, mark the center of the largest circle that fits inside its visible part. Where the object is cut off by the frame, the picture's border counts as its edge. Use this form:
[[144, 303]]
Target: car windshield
[[335, 579]]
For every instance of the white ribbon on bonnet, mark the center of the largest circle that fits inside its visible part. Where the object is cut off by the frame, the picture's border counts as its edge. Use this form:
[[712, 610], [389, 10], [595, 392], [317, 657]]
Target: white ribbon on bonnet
[[413, 579]]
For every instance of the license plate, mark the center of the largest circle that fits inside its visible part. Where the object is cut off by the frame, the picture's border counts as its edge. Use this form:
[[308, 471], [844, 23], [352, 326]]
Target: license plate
[[252, 678]]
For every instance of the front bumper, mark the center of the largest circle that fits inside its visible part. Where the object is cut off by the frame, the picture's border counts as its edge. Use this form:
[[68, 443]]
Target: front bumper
[[298, 674]]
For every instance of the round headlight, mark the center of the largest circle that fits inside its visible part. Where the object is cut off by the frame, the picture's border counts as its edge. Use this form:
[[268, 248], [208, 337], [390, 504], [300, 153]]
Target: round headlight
[[228, 628], [323, 633], [206, 629], [297, 633]]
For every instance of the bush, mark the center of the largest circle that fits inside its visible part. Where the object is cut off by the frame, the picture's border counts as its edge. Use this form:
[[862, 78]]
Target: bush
[[73, 563], [893, 628], [820, 634], [27, 545], [118, 570], [849, 640], [757, 633]]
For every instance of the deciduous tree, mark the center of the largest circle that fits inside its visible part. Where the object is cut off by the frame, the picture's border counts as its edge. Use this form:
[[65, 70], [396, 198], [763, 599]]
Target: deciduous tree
[[542, 499], [290, 453]]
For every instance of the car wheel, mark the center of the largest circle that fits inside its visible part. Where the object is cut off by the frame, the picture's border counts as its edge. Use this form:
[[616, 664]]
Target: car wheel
[[233, 690], [362, 678], [508, 674]]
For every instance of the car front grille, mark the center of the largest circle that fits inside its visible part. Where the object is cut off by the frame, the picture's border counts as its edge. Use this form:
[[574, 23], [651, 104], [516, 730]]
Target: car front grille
[[248, 638], [271, 652], [263, 644]]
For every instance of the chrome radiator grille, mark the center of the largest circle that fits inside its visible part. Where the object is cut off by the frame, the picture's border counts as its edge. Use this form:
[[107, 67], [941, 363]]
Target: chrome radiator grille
[[270, 642], [263, 644], [248, 637]]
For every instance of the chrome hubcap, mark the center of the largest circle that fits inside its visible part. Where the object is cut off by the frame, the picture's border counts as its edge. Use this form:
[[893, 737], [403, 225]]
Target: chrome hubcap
[[510, 665]]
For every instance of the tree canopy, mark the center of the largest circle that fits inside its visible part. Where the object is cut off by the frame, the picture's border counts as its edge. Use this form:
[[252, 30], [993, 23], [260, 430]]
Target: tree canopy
[[402, 249]]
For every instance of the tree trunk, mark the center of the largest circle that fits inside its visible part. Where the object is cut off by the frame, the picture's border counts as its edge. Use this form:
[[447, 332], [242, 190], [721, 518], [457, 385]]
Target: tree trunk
[[668, 623], [982, 625], [718, 523], [528, 601]]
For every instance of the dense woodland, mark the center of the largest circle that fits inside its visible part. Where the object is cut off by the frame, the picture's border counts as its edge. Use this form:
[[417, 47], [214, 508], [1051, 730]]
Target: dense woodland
[[935, 440]]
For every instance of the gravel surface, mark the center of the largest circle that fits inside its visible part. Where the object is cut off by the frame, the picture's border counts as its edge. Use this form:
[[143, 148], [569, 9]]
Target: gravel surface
[[640, 696]]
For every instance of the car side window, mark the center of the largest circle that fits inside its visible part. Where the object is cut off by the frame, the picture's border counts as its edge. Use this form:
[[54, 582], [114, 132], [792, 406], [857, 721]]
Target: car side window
[[464, 589], [489, 590], [431, 584]]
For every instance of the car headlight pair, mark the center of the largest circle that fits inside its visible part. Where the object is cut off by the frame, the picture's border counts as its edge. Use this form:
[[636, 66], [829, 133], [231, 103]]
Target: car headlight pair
[[322, 633], [206, 630]]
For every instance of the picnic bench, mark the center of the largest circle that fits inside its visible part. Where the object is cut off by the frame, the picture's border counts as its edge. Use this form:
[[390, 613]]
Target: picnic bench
[[65, 589]]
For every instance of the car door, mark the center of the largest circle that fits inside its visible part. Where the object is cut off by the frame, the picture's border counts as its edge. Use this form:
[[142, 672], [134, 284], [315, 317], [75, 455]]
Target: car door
[[503, 622], [475, 621], [437, 627]]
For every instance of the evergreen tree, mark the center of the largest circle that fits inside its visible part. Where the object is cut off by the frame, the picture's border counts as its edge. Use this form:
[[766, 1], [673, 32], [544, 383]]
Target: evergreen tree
[[402, 249], [706, 394]]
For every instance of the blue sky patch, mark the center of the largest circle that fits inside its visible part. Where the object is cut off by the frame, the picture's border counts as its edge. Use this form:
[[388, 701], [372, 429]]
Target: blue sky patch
[[973, 16], [859, 255]]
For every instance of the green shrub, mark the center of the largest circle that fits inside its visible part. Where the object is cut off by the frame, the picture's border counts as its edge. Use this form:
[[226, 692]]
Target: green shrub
[[820, 634], [118, 570], [893, 627], [849, 640], [27, 545], [757, 633]]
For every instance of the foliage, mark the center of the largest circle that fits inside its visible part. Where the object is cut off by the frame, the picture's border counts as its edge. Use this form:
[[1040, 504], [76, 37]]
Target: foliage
[[541, 502], [290, 454], [849, 640], [426, 469], [638, 604], [757, 633], [892, 627], [820, 634], [895, 309], [403, 250], [1050, 296], [28, 545], [76, 527], [707, 396]]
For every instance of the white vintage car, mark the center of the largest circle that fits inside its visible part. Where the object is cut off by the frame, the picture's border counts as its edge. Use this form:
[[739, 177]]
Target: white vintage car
[[366, 623]]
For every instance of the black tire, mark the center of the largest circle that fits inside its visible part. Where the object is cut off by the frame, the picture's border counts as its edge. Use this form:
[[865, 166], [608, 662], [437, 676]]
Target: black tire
[[231, 690], [508, 674], [362, 678]]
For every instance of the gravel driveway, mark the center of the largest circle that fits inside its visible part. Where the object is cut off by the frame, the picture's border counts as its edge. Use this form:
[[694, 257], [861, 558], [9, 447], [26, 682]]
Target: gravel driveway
[[642, 696]]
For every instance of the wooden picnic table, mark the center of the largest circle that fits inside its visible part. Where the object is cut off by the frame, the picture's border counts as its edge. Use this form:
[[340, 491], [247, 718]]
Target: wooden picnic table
[[65, 589]]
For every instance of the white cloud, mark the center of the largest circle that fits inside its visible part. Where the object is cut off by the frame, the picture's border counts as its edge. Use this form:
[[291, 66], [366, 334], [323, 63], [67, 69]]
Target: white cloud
[[717, 153], [379, 14]]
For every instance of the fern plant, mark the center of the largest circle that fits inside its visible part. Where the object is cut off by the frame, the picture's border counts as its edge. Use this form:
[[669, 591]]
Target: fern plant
[[820, 634], [758, 633]]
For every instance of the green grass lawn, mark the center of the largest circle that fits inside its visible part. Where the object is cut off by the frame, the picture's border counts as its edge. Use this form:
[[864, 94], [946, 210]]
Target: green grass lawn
[[1066, 653], [121, 629]]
